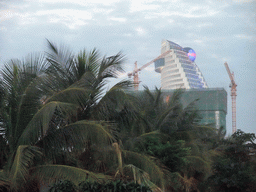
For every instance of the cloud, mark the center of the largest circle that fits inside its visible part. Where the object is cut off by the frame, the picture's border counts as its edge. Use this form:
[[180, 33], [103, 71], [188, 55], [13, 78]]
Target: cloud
[[67, 13], [3, 28], [78, 2], [141, 31], [198, 41], [120, 19], [213, 55], [194, 12], [243, 1], [244, 36], [104, 11], [7, 14], [72, 18], [127, 34], [137, 6], [168, 9], [204, 24]]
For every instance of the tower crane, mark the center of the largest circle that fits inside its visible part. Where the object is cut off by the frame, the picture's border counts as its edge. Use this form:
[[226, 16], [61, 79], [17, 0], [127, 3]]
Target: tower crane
[[233, 86], [136, 70]]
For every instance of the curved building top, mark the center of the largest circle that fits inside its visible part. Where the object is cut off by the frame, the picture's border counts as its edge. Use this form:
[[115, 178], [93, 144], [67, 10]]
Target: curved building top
[[178, 69], [174, 45]]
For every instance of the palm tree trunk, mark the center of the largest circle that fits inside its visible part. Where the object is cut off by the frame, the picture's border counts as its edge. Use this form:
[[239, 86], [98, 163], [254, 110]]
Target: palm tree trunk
[[119, 157]]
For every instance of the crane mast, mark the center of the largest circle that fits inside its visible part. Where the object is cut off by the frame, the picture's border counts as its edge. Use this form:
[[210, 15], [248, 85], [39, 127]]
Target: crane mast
[[233, 86], [136, 77], [135, 72]]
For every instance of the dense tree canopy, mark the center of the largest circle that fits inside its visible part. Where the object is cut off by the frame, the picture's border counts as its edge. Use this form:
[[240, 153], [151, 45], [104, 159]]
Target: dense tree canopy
[[59, 121]]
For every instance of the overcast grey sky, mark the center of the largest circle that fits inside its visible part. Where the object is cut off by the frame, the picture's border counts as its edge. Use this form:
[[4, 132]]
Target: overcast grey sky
[[218, 30]]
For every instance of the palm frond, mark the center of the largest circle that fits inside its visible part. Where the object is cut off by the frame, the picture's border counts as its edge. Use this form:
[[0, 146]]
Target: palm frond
[[22, 162], [61, 61], [148, 93], [196, 163], [10, 74], [111, 66], [147, 164], [156, 134], [87, 62], [21, 84], [73, 95], [114, 101], [162, 117], [158, 96], [140, 177], [77, 135], [51, 173], [4, 179], [39, 124]]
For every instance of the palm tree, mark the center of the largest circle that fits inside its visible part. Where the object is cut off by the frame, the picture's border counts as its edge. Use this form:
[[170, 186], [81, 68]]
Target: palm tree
[[170, 124], [54, 109]]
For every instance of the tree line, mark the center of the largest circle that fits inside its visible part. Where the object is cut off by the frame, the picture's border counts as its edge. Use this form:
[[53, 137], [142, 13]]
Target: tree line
[[61, 124]]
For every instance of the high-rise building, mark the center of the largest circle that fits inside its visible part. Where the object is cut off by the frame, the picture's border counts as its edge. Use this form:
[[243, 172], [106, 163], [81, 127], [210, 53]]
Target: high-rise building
[[211, 104], [178, 69]]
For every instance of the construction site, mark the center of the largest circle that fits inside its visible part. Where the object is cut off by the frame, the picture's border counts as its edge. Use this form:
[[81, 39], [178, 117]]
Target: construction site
[[179, 71]]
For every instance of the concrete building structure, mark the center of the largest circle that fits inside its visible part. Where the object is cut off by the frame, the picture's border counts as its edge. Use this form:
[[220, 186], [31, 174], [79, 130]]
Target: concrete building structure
[[177, 69], [211, 104]]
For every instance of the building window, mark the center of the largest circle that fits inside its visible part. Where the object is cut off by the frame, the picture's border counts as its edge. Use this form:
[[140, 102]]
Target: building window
[[188, 66], [190, 71], [175, 76], [176, 80], [171, 66]]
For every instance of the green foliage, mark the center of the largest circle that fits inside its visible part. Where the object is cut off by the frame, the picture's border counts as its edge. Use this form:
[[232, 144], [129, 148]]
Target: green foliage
[[234, 169], [90, 186], [60, 121], [241, 138], [144, 166], [46, 173], [63, 186], [56, 107], [171, 155], [114, 186]]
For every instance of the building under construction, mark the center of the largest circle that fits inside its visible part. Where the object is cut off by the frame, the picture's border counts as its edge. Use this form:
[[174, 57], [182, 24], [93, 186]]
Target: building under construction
[[211, 104], [178, 70]]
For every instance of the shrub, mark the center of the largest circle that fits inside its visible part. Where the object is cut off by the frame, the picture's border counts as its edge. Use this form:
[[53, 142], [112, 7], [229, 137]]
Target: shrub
[[63, 186], [113, 186]]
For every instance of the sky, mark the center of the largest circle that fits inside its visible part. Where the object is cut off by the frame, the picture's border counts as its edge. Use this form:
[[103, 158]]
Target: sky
[[218, 30]]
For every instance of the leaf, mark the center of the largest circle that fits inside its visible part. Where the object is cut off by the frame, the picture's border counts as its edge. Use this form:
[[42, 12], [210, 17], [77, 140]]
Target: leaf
[[77, 135], [4, 179], [113, 101], [39, 124], [147, 164], [50, 173], [23, 160], [198, 164], [87, 62], [140, 177], [111, 66], [72, 95]]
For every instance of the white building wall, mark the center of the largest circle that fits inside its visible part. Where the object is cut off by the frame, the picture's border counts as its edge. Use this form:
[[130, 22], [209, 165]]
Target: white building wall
[[173, 75]]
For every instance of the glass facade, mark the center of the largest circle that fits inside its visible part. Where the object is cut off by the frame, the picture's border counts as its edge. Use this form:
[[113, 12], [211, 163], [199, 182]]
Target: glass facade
[[211, 104]]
